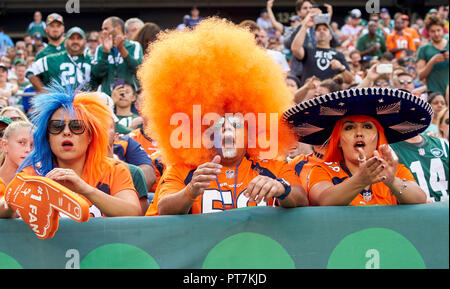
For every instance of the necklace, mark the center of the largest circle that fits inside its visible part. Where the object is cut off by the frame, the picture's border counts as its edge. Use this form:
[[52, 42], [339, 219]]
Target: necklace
[[235, 187]]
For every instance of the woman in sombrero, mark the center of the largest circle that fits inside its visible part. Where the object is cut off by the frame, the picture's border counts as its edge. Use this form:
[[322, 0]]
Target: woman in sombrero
[[357, 125]]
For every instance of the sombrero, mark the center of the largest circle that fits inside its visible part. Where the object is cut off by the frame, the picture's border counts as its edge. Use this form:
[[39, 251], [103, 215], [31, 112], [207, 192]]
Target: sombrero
[[402, 114]]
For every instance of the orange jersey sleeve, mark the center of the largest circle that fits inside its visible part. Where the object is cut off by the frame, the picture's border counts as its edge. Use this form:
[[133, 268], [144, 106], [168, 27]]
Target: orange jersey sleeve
[[118, 179], [302, 166]]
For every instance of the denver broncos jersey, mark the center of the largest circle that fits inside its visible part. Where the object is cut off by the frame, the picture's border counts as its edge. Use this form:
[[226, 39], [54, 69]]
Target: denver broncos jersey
[[302, 165], [111, 182], [378, 194], [227, 191]]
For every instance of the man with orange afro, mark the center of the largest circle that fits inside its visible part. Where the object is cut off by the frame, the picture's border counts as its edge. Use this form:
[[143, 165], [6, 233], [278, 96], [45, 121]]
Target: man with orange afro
[[208, 94]]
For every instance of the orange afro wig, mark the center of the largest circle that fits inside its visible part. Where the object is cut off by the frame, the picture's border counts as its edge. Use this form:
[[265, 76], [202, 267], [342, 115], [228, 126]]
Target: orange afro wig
[[218, 66]]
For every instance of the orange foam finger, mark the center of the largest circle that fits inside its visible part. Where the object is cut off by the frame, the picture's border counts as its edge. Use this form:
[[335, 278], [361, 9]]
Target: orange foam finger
[[38, 200]]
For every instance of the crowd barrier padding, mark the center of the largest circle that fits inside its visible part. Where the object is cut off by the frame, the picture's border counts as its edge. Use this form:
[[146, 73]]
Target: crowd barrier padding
[[385, 237]]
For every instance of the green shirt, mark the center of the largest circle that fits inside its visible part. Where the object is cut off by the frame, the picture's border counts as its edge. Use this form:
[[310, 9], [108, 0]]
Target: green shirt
[[437, 80], [50, 49], [36, 27], [140, 184], [428, 162], [127, 120], [365, 42], [107, 67], [63, 68]]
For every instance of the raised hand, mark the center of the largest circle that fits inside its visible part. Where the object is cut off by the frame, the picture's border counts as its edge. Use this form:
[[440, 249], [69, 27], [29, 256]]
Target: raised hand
[[203, 176], [370, 170], [390, 165], [106, 41], [263, 188], [69, 179]]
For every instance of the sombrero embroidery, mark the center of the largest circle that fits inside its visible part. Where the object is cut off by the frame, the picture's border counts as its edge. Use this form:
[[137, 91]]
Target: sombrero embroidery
[[402, 114]]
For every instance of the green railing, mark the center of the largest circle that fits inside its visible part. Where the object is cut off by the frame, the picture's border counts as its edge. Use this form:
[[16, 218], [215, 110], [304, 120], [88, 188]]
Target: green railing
[[408, 236]]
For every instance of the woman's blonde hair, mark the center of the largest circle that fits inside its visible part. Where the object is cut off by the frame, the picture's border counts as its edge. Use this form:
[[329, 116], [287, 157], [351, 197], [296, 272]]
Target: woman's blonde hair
[[15, 109]]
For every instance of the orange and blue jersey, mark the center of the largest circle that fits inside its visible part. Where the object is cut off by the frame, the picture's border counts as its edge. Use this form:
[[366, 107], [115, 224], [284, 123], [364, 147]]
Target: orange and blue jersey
[[130, 151], [112, 181], [336, 173], [302, 165], [227, 192]]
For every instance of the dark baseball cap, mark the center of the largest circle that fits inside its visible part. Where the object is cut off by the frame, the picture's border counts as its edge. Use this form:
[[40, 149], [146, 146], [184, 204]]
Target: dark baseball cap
[[54, 17]]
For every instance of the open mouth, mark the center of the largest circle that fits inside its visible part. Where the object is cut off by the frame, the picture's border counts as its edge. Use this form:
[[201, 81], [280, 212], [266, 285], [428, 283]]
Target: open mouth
[[359, 144], [67, 144], [228, 142]]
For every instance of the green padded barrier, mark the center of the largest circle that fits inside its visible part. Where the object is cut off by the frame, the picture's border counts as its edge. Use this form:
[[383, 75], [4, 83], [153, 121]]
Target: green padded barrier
[[408, 236]]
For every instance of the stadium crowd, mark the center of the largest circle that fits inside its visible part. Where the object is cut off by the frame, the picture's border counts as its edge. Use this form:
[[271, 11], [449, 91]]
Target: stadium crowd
[[316, 54]]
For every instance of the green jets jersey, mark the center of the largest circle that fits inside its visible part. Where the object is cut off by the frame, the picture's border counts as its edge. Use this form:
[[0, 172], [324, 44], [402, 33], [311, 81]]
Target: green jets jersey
[[50, 49], [428, 161], [65, 69]]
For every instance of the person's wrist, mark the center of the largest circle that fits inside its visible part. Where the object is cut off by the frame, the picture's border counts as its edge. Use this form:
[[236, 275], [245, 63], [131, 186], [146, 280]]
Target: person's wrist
[[286, 188], [395, 185], [188, 192], [359, 181]]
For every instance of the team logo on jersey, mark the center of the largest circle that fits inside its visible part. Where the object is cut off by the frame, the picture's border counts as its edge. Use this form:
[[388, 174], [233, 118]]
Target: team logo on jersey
[[437, 152], [229, 174], [367, 196], [421, 152]]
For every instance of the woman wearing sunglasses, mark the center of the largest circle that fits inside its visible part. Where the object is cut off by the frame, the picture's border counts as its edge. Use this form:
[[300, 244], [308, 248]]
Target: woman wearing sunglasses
[[16, 144], [359, 168], [71, 146]]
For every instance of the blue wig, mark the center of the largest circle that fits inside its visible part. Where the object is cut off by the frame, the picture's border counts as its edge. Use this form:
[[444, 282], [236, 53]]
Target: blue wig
[[43, 107]]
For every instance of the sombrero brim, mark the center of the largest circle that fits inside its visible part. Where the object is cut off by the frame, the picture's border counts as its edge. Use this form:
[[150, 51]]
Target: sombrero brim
[[402, 114]]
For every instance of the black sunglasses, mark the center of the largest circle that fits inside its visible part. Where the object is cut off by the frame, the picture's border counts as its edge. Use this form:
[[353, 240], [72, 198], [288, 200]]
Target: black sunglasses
[[404, 81], [57, 126]]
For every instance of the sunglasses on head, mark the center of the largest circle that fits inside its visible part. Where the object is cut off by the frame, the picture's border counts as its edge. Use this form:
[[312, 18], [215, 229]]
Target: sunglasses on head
[[234, 121], [405, 81], [57, 126]]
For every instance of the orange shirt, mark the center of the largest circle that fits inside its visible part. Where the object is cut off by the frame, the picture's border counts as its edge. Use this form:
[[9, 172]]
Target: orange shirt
[[414, 35], [405, 40], [380, 195], [176, 178], [111, 182], [147, 144], [150, 147]]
